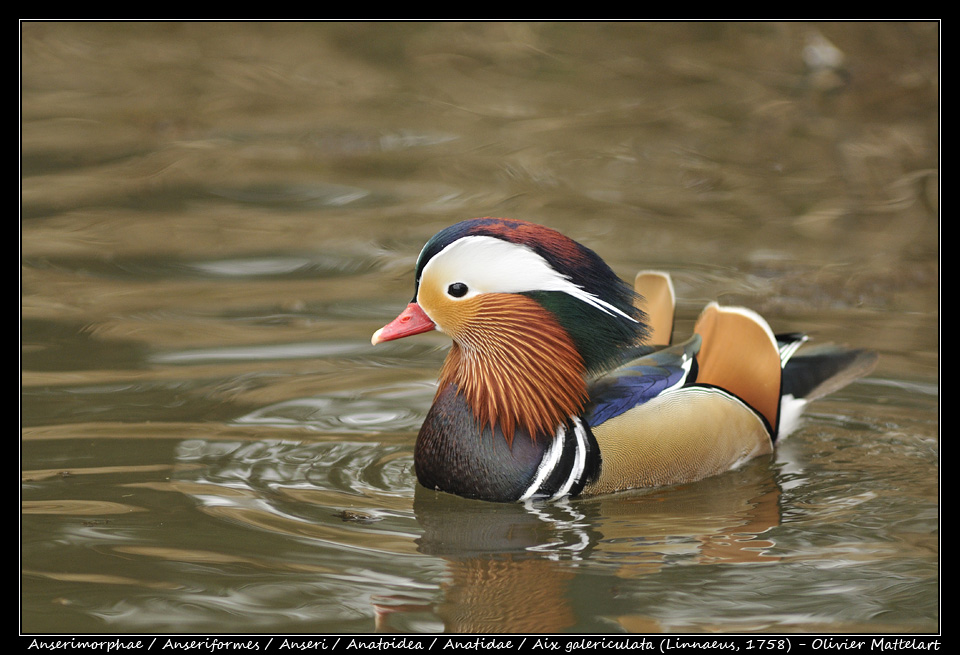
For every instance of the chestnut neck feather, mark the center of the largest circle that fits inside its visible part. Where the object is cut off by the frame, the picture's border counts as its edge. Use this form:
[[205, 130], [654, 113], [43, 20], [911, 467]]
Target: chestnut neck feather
[[517, 368]]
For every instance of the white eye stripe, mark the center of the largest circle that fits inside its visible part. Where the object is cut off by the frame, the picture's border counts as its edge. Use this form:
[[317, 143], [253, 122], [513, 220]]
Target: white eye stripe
[[490, 265]]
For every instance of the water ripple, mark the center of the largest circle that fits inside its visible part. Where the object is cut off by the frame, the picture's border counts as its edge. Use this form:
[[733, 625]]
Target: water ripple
[[391, 408]]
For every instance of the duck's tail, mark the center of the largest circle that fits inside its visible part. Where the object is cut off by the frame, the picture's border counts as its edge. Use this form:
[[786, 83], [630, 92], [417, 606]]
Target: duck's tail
[[816, 371], [776, 375], [773, 374]]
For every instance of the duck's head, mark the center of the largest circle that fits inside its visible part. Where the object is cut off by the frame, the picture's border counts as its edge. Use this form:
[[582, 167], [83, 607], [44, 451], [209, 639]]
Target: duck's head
[[531, 313]]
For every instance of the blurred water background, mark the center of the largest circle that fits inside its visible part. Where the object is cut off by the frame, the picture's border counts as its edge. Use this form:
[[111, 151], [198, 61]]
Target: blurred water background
[[216, 216]]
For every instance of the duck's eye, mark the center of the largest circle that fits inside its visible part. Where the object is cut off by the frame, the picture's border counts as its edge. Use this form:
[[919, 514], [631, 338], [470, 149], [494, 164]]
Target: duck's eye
[[457, 289]]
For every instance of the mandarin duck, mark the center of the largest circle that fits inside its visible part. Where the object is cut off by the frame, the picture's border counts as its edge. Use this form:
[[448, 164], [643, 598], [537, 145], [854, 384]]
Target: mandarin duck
[[563, 380]]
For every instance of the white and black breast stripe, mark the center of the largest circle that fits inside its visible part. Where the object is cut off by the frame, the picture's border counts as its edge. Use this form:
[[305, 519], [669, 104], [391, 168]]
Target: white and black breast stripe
[[567, 464]]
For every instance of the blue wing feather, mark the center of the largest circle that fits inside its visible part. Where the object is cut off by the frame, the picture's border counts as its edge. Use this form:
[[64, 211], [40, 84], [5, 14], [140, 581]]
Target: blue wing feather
[[641, 380]]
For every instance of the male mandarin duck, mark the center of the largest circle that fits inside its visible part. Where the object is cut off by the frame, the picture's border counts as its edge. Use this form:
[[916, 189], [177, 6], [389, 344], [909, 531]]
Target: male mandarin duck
[[562, 379]]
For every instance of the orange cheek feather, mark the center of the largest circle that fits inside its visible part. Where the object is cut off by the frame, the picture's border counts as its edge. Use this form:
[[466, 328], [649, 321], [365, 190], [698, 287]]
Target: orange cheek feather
[[514, 364]]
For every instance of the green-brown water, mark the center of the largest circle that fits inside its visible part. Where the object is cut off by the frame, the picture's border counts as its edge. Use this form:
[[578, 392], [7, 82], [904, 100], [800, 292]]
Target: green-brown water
[[216, 217]]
